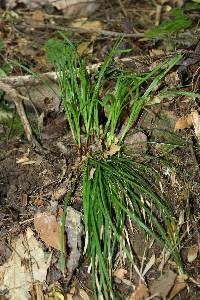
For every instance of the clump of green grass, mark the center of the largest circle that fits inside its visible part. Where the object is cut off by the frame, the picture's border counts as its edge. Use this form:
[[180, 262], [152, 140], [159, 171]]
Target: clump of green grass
[[115, 187]]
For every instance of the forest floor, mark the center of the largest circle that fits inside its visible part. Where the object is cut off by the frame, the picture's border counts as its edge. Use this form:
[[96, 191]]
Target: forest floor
[[34, 177]]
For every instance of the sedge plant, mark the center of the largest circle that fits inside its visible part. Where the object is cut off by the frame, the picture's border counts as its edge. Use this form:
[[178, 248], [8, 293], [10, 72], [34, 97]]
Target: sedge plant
[[114, 186]]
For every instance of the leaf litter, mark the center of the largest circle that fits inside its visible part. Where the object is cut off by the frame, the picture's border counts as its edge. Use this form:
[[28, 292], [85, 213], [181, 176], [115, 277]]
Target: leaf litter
[[27, 265], [75, 246]]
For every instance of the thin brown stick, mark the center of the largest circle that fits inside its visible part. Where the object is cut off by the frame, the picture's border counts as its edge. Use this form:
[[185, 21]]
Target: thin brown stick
[[84, 30], [17, 99], [24, 80]]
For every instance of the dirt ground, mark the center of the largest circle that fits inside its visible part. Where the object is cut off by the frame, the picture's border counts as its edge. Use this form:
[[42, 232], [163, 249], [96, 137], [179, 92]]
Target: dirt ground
[[36, 178]]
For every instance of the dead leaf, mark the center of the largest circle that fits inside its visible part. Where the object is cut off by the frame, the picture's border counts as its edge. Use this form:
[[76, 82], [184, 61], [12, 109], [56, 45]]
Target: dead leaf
[[193, 119], [79, 8], [149, 265], [74, 230], [24, 160], [140, 292], [38, 202], [182, 123], [192, 253], [84, 295], [196, 123], [82, 48], [84, 23], [26, 266], [48, 229], [120, 273], [179, 285], [156, 52], [163, 285], [92, 171], [38, 17], [114, 148]]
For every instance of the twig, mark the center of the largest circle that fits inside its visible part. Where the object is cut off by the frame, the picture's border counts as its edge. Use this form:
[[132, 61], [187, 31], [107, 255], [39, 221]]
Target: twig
[[17, 98], [158, 14], [18, 81], [84, 30], [122, 8]]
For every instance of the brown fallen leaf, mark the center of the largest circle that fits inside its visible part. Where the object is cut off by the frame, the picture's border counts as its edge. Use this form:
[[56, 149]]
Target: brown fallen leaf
[[24, 268], [149, 265], [120, 273], [196, 123], [48, 229], [163, 285], [193, 119], [86, 24], [192, 253], [182, 123], [140, 292], [38, 17], [179, 285], [114, 148], [24, 160], [83, 295]]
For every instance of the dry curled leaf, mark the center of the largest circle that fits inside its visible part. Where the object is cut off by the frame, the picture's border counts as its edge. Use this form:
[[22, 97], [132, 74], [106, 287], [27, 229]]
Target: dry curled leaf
[[48, 229], [120, 273], [26, 266], [149, 265], [179, 285], [192, 253], [38, 17], [140, 292], [193, 119], [182, 123], [163, 285], [114, 148]]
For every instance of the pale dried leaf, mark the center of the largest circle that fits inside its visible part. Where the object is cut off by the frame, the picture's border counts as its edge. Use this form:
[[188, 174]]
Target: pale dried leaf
[[156, 52], [82, 48], [38, 17], [120, 273], [149, 265], [196, 123], [84, 23], [163, 285], [74, 230], [26, 266], [48, 229], [192, 253], [22, 159], [92, 171], [114, 148], [140, 292], [179, 285], [182, 123], [80, 8], [84, 295], [193, 119]]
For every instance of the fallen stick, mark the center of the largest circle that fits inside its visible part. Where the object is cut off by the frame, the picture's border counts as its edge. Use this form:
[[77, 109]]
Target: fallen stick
[[17, 99], [83, 30], [24, 80]]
